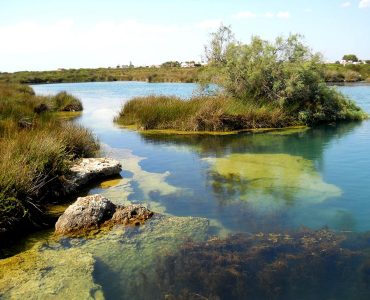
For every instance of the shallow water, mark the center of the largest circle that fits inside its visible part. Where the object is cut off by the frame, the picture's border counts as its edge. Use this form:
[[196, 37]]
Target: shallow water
[[315, 178], [246, 183]]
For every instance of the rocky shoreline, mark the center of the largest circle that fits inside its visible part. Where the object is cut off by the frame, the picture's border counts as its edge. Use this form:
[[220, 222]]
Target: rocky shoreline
[[84, 172]]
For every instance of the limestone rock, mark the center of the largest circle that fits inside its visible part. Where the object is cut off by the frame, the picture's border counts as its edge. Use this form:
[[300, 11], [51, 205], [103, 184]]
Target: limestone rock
[[133, 214], [95, 211], [86, 213], [89, 169]]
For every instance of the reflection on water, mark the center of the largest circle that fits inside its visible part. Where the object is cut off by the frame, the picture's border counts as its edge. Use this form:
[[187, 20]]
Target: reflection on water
[[258, 188]]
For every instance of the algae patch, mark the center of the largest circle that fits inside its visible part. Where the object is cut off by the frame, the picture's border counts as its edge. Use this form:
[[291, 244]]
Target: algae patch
[[119, 264], [111, 183], [268, 181], [49, 274]]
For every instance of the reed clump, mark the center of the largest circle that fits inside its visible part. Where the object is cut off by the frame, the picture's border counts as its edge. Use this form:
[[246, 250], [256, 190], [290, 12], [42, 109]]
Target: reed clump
[[36, 151], [204, 113]]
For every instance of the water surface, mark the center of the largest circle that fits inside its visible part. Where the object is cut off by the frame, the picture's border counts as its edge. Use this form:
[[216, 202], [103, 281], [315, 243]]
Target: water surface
[[260, 185], [315, 178]]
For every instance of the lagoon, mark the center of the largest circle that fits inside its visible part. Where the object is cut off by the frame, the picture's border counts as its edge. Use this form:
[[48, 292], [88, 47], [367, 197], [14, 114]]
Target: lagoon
[[315, 178], [206, 186]]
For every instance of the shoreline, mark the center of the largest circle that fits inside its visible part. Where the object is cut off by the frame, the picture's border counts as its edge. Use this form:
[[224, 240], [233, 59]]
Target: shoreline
[[215, 133]]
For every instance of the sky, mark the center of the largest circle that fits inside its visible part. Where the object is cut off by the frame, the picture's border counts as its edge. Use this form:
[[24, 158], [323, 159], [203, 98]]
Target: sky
[[49, 34]]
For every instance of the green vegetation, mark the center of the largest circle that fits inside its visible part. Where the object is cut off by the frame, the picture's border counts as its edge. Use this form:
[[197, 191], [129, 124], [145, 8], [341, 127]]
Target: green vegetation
[[264, 85], [36, 150], [168, 73], [218, 113], [347, 73], [350, 57], [171, 64]]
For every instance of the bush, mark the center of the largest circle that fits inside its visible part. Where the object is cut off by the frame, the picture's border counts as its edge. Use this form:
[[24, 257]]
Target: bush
[[352, 76], [285, 73]]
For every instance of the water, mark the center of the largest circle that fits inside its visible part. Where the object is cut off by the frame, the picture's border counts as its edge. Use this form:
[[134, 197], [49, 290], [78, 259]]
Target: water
[[246, 183]]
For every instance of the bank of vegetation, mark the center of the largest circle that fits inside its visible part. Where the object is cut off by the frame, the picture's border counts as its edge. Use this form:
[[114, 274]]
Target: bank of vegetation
[[37, 149], [337, 73], [151, 74], [168, 72], [263, 84]]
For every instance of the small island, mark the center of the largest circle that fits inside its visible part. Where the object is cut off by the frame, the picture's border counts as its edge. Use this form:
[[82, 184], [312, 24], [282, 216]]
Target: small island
[[262, 85]]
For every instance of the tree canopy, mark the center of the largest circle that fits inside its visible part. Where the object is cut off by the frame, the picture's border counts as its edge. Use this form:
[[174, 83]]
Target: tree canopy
[[350, 57]]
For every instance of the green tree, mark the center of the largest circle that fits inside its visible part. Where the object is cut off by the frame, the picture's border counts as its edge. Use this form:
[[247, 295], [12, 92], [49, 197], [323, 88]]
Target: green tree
[[171, 64], [351, 57], [216, 51], [284, 73]]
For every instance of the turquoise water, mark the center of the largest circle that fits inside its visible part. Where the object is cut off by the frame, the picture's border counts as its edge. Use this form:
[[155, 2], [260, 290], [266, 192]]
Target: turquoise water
[[332, 182], [238, 220]]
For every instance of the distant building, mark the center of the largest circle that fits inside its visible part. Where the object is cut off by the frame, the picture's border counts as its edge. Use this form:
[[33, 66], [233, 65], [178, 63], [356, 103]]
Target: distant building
[[188, 64], [346, 62]]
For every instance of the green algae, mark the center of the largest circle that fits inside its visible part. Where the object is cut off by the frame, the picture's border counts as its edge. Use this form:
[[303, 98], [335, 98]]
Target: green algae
[[110, 183], [269, 181], [80, 268], [290, 130], [165, 132], [42, 273]]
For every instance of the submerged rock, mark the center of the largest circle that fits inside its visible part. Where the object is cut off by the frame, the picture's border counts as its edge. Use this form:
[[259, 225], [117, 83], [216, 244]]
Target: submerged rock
[[89, 169], [133, 214], [95, 211]]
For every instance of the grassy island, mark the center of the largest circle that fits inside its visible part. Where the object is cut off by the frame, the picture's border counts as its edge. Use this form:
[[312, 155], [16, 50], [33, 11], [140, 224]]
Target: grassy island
[[263, 84], [36, 151]]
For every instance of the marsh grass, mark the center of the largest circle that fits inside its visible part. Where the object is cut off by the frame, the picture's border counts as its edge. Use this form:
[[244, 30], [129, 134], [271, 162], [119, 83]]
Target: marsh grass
[[36, 149], [66, 102], [217, 113]]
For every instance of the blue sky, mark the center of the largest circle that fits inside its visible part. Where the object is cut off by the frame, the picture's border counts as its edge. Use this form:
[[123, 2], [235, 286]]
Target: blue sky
[[46, 35]]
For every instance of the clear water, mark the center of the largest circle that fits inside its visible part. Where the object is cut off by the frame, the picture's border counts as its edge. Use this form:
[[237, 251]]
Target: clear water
[[333, 187], [209, 185]]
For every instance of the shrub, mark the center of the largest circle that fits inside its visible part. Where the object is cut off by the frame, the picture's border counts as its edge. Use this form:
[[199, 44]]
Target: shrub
[[352, 76], [285, 73]]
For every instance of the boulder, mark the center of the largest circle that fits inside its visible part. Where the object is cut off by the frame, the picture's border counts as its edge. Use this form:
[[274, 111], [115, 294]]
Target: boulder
[[90, 169], [95, 212], [86, 213]]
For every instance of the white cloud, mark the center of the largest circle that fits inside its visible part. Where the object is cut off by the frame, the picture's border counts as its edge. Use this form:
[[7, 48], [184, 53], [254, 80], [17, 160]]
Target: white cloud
[[209, 24], [364, 3], [245, 15], [308, 10], [346, 4], [283, 15]]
